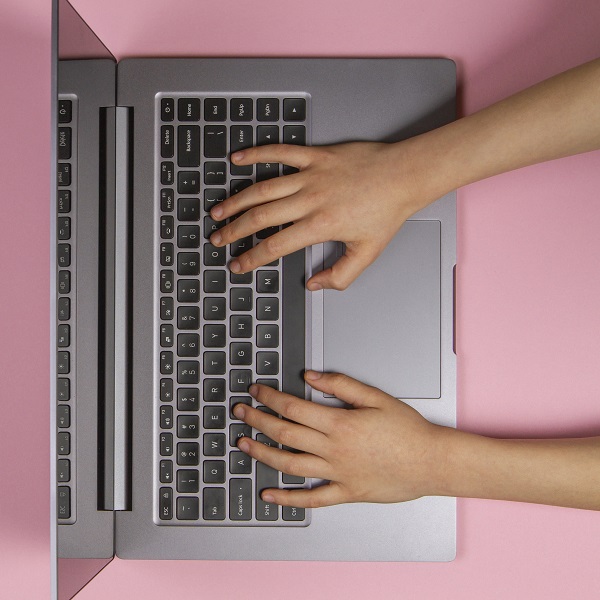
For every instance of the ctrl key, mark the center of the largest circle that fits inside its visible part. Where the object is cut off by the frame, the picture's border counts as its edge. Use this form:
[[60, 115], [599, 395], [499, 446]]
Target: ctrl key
[[165, 507], [63, 502]]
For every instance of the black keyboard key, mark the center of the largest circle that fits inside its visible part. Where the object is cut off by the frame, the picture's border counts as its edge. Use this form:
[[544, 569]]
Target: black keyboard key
[[267, 363], [63, 336], [64, 309], [240, 246], [165, 507], [213, 502], [214, 417], [188, 263], [188, 426], [294, 109], [167, 143], [166, 471], [213, 471], [240, 353], [188, 345], [166, 335], [167, 309], [214, 390], [240, 299], [188, 454], [188, 481], [188, 182], [188, 399], [241, 109], [167, 109], [213, 256], [240, 326], [214, 282], [267, 134], [188, 372], [214, 336], [237, 185], [212, 197], [215, 141], [266, 171], [63, 502], [214, 444], [188, 290], [188, 209], [215, 363], [64, 143], [215, 173], [63, 201], [166, 362], [167, 227], [240, 380], [65, 111], [64, 282], [291, 513], [166, 390], [240, 463], [188, 146], [167, 278], [63, 470], [167, 173], [63, 416], [188, 317], [267, 309], [266, 477], [265, 233], [267, 109], [63, 363], [63, 389], [292, 479], [272, 383], [167, 201], [167, 254], [188, 236], [63, 443], [215, 309], [63, 255], [63, 174], [267, 282], [294, 134], [240, 278], [215, 109], [247, 400], [166, 416], [188, 109], [240, 499], [210, 226], [238, 430], [240, 138], [267, 336]]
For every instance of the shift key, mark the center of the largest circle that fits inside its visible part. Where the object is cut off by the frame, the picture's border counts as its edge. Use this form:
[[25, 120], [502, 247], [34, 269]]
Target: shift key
[[266, 477]]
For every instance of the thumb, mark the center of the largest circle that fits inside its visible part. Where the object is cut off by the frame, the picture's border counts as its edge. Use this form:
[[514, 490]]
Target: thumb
[[345, 388], [347, 268]]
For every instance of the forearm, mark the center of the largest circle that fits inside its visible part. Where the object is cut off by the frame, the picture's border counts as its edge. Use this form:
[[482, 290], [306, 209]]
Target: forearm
[[561, 472], [555, 118]]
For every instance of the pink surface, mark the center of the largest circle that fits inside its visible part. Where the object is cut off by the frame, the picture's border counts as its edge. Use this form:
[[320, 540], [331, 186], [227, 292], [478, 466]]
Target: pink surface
[[528, 276]]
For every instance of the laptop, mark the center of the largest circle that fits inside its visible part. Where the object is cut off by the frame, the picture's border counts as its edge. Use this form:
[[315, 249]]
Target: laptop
[[154, 339]]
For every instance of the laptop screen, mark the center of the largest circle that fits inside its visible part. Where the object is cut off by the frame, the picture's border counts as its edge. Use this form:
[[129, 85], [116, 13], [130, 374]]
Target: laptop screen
[[72, 40]]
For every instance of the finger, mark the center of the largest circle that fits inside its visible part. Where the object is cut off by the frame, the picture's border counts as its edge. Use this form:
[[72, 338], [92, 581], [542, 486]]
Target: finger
[[302, 465], [288, 154], [259, 193], [324, 495], [300, 411], [283, 432], [275, 246], [347, 268], [257, 218], [354, 392]]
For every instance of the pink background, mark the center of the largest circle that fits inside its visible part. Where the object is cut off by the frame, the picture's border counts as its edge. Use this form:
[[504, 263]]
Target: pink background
[[528, 286]]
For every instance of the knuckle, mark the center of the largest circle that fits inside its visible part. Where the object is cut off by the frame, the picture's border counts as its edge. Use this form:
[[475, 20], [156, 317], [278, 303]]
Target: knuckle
[[258, 216], [337, 283], [266, 188], [285, 436], [272, 246], [292, 410], [292, 466]]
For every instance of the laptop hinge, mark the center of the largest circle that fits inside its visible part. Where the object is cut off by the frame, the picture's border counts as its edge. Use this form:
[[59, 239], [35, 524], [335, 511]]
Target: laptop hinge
[[114, 311]]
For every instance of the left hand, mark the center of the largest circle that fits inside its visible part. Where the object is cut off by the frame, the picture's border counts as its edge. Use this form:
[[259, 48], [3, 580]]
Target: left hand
[[381, 451]]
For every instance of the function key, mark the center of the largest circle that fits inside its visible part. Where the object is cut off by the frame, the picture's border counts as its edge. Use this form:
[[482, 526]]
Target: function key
[[64, 174], [167, 200], [215, 109], [294, 109], [64, 282], [63, 201], [63, 226], [64, 143], [63, 469], [65, 111], [167, 170], [165, 508], [167, 109], [63, 255], [267, 109], [188, 109], [63, 502], [241, 109]]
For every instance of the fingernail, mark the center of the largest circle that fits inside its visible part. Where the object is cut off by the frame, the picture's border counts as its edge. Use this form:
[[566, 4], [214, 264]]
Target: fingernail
[[217, 211], [312, 374], [253, 390], [234, 266], [268, 498], [244, 446], [216, 238], [237, 156], [239, 411], [314, 286]]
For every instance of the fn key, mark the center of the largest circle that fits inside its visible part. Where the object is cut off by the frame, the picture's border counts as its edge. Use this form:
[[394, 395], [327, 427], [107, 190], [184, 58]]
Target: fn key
[[63, 502]]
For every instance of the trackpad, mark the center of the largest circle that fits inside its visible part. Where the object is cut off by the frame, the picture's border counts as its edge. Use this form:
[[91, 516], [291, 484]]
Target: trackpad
[[385, 328]]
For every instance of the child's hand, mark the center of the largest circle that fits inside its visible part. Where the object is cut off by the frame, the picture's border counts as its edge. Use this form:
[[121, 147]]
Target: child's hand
[[380, 451], [357, 193]]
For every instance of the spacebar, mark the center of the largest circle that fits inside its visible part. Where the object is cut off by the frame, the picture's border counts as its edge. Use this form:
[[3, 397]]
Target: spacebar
[[266, 477]]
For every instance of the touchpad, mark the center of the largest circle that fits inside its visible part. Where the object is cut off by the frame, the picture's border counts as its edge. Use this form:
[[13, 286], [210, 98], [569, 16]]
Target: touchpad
[[385, 328]]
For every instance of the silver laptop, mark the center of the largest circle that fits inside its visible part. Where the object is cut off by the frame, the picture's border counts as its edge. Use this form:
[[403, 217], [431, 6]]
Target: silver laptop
[[154, 340]]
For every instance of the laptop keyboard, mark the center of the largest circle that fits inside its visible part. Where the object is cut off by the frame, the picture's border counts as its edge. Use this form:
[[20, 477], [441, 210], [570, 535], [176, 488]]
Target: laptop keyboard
[[65, 306], [218, 332]]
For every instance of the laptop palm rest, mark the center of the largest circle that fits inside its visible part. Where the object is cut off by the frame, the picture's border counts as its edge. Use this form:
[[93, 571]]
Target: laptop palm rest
[[385, 328]]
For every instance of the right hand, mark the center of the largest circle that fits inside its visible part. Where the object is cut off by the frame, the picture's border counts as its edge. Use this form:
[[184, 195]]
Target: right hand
[[358, 193]]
